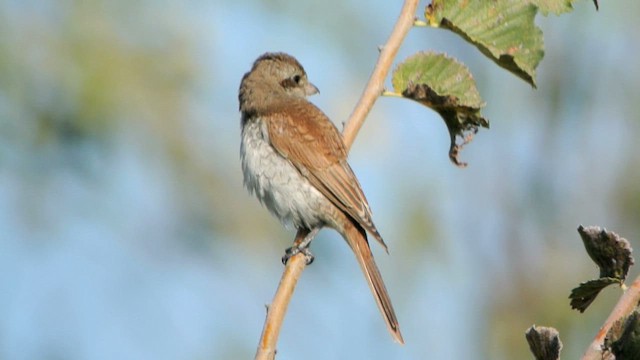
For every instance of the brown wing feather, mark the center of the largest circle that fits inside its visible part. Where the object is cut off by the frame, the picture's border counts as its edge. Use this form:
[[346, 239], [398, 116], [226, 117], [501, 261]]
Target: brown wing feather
[[335, 180], [303, 134]]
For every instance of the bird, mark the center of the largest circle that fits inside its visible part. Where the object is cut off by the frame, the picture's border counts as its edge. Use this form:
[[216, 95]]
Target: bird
[[294, 161]]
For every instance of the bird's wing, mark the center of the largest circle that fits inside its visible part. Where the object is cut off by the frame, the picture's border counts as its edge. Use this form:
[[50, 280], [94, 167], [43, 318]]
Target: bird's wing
[[304, 135]]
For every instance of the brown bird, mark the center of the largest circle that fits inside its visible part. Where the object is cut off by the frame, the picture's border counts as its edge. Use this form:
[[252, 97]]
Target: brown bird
[[294, 160]]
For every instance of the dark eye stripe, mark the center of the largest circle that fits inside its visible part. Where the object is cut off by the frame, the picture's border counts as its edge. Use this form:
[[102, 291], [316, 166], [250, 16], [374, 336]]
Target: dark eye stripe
[[289, 82]]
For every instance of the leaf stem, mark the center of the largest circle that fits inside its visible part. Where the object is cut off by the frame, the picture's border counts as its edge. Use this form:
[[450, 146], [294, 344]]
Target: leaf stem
[[391, 94]]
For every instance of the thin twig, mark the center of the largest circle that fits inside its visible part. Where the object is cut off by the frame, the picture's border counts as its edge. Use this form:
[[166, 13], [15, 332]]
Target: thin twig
[[297, 263], [376, 81], [627, 303], [278, 308]]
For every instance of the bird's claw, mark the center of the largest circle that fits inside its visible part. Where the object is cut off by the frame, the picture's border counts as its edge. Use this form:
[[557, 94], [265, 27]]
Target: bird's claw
[[294, 250]]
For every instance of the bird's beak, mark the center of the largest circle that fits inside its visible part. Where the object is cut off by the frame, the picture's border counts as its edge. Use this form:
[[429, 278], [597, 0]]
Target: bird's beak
[[310, 89]]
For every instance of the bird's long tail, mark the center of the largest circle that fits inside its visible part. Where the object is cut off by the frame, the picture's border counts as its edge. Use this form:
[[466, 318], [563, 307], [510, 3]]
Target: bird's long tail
[[357, 239]]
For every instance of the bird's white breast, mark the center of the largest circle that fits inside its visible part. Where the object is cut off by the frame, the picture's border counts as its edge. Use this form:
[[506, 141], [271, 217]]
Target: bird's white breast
[[276, 182]]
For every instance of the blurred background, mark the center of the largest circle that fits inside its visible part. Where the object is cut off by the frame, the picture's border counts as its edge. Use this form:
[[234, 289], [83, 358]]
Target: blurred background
[[125, 232]]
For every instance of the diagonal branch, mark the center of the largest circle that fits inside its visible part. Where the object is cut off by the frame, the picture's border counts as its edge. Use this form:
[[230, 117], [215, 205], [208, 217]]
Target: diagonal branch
[[625, 306], [375, 87], [279, 305], [296, 264]]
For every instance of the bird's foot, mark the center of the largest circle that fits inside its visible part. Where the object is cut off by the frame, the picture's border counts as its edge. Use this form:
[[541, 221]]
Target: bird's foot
[[301, 245], [295, 250]]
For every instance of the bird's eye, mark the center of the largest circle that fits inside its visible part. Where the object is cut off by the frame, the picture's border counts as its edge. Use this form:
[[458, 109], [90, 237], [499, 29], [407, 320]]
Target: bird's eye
[[292, 82]]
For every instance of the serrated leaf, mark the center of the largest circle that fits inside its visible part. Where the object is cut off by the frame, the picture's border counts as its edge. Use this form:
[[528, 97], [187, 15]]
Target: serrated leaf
[[556, 7], [544, 342], [446, 86], [582, 296], [610, 251], [503, 30]]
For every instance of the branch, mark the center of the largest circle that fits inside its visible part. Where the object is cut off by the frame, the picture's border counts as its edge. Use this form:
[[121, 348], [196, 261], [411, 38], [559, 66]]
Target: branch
[[375, 87], [278, 308], [624, 307], [296, 264]]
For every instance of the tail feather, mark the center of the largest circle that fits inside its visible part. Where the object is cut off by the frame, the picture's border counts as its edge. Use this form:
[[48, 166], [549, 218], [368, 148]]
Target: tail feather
[[357, 239]]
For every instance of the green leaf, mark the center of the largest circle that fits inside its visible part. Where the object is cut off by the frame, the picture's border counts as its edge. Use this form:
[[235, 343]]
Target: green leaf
[[556, 7], [503, 30], [446, 86], [582, 296]]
